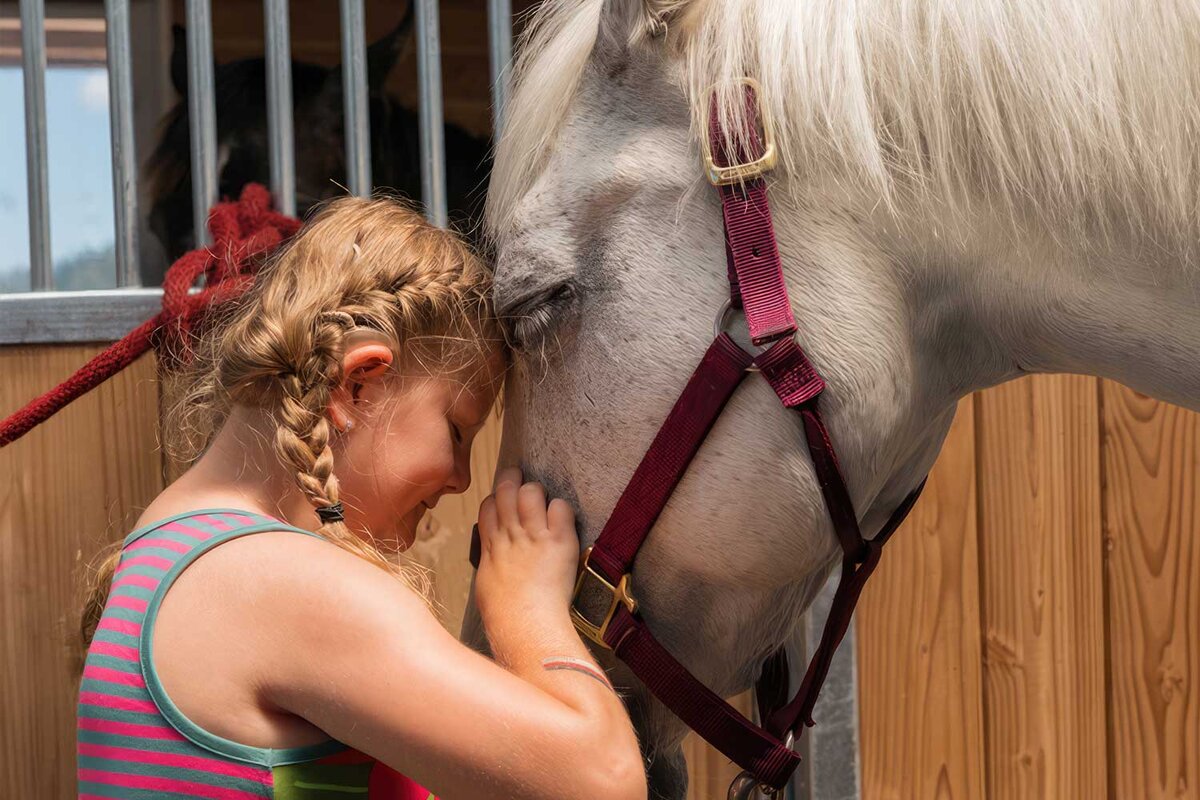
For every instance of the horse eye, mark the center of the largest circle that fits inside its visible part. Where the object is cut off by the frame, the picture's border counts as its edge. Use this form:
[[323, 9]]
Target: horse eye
[[528, 323]]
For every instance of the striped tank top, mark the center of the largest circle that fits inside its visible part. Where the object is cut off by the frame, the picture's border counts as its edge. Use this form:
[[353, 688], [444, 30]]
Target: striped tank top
[[133, 743]]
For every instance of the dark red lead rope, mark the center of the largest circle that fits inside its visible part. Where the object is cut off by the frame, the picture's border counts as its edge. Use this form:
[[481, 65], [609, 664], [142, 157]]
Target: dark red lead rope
[[244, 234]]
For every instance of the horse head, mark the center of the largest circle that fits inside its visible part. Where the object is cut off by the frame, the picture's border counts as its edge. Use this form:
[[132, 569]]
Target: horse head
[[926, 255]]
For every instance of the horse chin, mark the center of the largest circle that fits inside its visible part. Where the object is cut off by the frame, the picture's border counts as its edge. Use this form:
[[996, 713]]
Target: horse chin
[[667, 776]]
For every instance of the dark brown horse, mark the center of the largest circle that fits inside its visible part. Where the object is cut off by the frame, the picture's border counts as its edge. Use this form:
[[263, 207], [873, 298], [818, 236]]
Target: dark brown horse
[[242, 143]]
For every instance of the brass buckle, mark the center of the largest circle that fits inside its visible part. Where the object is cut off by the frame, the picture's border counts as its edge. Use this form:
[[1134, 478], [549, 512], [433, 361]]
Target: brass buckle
[[590, 610], [739, 173]]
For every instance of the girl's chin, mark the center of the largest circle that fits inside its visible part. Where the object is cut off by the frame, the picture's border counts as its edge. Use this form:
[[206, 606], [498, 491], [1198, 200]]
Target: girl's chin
[[409, 525]]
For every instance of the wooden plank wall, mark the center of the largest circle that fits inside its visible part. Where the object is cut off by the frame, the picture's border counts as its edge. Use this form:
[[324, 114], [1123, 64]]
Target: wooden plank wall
[[1040, 615]]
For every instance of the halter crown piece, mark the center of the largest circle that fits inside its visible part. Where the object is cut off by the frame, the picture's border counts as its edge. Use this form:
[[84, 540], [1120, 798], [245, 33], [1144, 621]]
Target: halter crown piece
[[603, 607]]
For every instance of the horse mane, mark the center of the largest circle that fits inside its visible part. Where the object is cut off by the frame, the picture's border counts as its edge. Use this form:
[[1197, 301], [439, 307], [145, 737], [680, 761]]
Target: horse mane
[[1084, 111]]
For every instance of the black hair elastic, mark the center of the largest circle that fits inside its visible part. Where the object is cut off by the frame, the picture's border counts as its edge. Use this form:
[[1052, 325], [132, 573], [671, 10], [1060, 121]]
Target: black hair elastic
[[333, 513]]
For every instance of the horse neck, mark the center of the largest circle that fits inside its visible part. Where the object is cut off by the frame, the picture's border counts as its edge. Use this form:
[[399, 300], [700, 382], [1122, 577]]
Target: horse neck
[[1034, 302]]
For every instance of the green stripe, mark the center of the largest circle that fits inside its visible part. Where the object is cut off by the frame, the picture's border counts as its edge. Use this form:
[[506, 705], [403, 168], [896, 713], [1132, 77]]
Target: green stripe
[[112, 662], [115, 637], [118, 689], [127, 614], [176, 773], [173, 746], [89, 711], [300, 781], [139, 592], [329, 787]]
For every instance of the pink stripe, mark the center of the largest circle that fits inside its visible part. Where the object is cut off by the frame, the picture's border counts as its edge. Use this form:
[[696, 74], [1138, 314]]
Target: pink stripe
[[113, 676], [166, 544], [212, 521], [115, 650], [156, 784], [125, 601], [179, 526], [129, 729], [119, 626], [214, 765], [144, 561], [119, 703], [140, 581]]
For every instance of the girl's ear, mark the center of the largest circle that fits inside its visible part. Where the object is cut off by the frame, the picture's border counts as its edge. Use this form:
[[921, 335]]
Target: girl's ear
[[361, 363]]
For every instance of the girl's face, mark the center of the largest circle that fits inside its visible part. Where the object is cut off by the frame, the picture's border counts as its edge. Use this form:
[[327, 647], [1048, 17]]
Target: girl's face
[[410, 443]]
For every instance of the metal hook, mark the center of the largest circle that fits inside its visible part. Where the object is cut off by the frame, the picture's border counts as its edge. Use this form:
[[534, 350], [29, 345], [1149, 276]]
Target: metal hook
[[745, 786]]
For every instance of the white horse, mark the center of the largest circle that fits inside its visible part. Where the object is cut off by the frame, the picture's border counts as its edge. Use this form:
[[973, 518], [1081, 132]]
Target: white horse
[[968, 191]]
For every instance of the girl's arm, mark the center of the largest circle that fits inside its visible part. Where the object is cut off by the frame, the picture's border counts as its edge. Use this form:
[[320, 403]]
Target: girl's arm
[[367, 663]]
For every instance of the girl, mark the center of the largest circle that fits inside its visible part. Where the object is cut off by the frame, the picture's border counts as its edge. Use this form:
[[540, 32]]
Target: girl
[[252, 639]]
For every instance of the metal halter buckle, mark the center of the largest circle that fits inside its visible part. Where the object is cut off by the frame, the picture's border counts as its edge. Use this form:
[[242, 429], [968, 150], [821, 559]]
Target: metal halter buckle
[[749, 170], [744, 786], [595, 601]]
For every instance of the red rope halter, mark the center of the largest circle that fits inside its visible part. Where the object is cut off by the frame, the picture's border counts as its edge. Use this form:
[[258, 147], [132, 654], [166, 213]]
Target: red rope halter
[[244, 234]]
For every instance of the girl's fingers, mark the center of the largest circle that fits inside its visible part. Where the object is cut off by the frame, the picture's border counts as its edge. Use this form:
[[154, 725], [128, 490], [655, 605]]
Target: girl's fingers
[[506, 505], [509, 474], [531, 506], [488, 521], [560, 517]]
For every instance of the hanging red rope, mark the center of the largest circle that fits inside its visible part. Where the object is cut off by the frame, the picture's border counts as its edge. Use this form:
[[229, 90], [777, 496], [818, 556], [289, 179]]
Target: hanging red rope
[[244, 234]]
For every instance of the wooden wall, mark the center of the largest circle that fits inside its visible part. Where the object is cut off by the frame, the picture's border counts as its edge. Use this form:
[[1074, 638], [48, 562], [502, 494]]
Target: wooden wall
[[1034, 631]]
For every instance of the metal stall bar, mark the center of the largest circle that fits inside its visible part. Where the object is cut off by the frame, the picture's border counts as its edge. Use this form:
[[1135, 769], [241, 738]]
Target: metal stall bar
[[831, 768], [280, 136], [124, 156], [499, 58], [354, 90], [202, 115], [433, 143], [37, 171]]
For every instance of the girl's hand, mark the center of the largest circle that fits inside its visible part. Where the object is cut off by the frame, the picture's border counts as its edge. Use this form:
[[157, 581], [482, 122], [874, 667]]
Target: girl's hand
[[529, 552]]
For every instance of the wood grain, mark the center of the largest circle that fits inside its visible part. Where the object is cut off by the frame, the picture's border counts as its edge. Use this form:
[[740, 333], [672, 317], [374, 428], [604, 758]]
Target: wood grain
[[70, 486], [919, 646], [1043, 588], [1152, 524], [710, 772]]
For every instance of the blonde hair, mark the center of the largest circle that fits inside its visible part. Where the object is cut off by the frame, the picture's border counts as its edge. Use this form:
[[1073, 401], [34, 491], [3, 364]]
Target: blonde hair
[[360, 263]]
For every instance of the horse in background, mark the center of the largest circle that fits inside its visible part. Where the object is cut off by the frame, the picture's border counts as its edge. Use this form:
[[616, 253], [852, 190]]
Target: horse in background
[[242, 143]]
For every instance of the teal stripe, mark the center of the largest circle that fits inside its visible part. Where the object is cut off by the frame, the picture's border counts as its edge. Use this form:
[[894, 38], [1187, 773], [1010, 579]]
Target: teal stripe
[[124, 793], [176, 773], [128, 590], [127, 614], [112, 662], [154, 550], [145, 570], [173, 746], [89, 711], [118, 689]]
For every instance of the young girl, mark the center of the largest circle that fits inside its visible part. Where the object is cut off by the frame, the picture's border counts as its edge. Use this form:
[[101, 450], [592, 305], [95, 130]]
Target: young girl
[[252, 639]]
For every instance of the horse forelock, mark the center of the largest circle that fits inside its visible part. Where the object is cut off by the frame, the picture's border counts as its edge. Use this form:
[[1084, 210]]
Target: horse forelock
[[1051, 107]]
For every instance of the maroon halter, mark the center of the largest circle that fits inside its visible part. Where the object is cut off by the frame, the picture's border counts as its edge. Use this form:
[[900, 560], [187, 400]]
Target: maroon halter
[[603, 608]]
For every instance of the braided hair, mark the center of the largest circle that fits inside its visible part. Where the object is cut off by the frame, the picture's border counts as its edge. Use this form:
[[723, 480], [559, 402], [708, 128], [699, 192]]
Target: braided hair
[[359, 263]]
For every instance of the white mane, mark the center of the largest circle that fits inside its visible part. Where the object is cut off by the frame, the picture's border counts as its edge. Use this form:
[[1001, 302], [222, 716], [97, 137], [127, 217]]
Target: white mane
[[1085, 111]]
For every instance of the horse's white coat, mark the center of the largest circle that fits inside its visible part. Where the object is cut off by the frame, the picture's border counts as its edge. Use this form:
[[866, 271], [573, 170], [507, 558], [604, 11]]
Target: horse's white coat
[[916, 277]]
